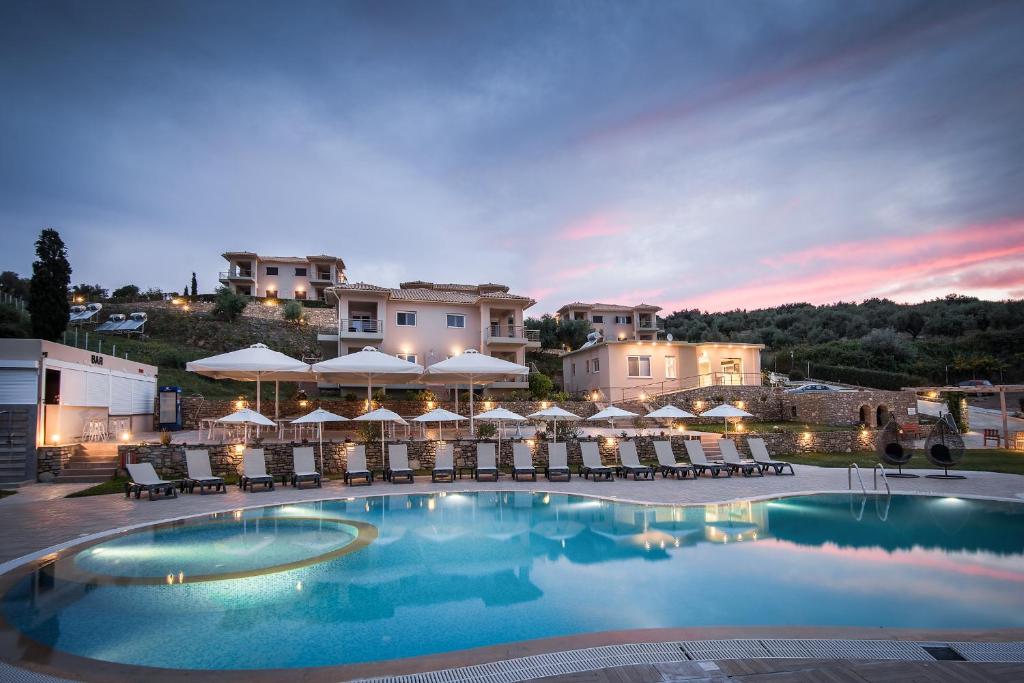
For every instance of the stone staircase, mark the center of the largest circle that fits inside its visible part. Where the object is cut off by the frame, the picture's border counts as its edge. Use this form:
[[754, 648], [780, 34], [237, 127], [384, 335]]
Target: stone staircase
[[709, 442], [91, 463]]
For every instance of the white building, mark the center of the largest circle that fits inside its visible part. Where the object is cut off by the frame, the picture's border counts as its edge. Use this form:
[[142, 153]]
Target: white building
[[282, 277]]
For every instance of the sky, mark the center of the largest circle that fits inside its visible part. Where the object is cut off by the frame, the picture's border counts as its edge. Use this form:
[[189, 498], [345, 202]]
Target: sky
[[699, 154]]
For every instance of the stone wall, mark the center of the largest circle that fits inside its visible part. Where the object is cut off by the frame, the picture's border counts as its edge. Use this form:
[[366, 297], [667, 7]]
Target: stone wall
[[50, 460], [787, 443]]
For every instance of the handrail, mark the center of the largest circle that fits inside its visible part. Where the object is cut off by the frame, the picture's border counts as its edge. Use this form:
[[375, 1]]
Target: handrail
[[849, 477], [885, 480]]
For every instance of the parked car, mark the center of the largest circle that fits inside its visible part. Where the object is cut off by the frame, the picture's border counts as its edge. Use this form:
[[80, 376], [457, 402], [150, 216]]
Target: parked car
[[809, 389], [977, 384]]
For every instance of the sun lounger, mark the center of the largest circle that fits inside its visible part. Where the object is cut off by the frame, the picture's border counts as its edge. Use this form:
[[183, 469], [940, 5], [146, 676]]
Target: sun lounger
[[734, 462], [144, 478], [629, 462], [759, 450], [398, 463], [522, 462], [592, 465], [558, 462], [667, 464], [200, 474], [700, 462], [486, 461], [304, 467], [254, 470], [444, 468], [356, 468]]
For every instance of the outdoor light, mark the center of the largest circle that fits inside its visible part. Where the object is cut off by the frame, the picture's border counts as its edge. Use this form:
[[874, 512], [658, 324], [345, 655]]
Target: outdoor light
[[125, 436], [430, 503], [544, 405], [176, 302], [298, 586], [741, 404], [595, 396], [241, 403], [430, 405], [186, 307], [698, 405], [55, 438], [643, 396], [239, 448], [529, 442], [170, 579], [609, 441], [739, 427], [622, 337]]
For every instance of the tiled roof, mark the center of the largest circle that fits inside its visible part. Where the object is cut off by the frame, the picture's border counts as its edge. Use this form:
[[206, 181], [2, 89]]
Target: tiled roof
[[453, 294], [609, 307], [362, 287]]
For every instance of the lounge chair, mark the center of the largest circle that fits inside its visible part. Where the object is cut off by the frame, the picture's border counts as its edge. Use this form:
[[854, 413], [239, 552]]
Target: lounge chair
[[444, 469], [592, 465], [558, 462], [254, 470], [759, 450], [735, 462], [200, 474], [356, 468], [630, 462], [144, 478], [398, 463], [522, 462], [667, 464], [304, 467], [700, 463], [486, 461]]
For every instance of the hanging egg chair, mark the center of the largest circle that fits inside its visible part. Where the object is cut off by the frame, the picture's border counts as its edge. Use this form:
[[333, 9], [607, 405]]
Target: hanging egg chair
[[944, 447], [894, 448]]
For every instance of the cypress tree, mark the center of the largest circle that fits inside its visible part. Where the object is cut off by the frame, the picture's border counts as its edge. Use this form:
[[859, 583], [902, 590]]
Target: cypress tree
[[51, 275], [195, 286]]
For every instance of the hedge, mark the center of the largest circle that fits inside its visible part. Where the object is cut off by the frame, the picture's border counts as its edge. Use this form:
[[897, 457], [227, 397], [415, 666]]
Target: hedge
[[876, 379]]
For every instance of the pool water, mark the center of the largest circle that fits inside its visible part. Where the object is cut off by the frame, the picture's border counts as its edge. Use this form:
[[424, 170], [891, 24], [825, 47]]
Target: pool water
[[398, 576]]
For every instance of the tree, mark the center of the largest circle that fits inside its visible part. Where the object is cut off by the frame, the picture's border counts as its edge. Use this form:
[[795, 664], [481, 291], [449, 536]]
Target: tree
[[153, 294], [293, 312], [84, 292], [125, 293], [548, 329], [573, 333], [184, 291], [12, 284], [541, 385], [911, 322], [195, 286], [48, 295], [228, 305]]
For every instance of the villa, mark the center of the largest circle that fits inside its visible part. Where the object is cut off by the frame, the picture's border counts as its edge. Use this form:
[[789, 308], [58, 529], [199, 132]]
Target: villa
[[614, 321], [282, 277]]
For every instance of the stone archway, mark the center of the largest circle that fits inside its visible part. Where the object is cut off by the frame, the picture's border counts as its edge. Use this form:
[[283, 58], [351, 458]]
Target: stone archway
[[882, 415], [865, 415]]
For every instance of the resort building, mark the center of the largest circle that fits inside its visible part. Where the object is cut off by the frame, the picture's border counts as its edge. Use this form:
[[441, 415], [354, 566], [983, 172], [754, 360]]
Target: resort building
[[424, 322], [282, 277], [613, 321], [631, 370]]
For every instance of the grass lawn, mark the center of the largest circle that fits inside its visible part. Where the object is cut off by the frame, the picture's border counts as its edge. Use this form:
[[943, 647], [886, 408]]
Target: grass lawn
[[975, 459], [752, 426]]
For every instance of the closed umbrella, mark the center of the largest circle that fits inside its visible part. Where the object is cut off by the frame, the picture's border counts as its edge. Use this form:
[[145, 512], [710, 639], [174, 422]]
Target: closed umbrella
[[725, 411], [555, 412], [500, 415], [439, 415], [382, 415], [610, 413], [247, 417], [254, 363], [368, 365], [472, 368], [318, 417]]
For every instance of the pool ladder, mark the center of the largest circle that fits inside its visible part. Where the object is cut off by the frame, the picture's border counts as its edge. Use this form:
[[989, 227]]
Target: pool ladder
[[876, 472]]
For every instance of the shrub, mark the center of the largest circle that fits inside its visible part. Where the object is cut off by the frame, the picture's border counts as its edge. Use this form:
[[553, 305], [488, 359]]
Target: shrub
[[541, 385], [796, 376], [229, 305], [425, 395], [314, 303], [957, 405], [486, 430], [293, 313], [560, 396], [567, 431], [369, 432], [350, 396], [379, 395], [165, 437]]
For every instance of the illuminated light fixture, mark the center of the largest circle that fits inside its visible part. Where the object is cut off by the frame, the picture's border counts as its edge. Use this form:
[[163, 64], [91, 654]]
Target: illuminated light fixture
[[739, 427], [181, 577], [741, 404], [170, 579], [186, 307], [176, 302], [544, 405], [239, 448], [125, 436], [546, 499], [430, 503], [78, 299], [303, 403], [430, 405], [595, 396], [622, 337], [530, 442], [298, 586], [55, 438], [643, 396], [609, 441]]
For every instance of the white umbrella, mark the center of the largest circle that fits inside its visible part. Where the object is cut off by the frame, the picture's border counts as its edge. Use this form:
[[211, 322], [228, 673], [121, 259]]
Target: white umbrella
[[382, 415], [472, 368], [318, 417], [669, 412], [499, 415], [556, 412], [725, 411], [247, 417], [610, 413], [366, 366], [255, 363], [439, 415]]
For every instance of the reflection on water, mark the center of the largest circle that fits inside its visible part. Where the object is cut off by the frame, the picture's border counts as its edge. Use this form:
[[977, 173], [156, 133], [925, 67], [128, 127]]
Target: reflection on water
[[456, 570]]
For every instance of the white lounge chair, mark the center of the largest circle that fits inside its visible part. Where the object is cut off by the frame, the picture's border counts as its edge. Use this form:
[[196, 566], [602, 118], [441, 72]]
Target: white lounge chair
[[304, 467], [444, 467], [355, 467], [629, 462], [695, 451], [735, 462], [200, 473], [254, 470], [592, 465], [398, 463], [558, 462], [522, 462], [145, 478], [759, 450], [486, 461], [667, 464]]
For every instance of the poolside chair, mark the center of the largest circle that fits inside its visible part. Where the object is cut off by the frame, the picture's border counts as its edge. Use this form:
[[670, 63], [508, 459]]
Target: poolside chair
[[444, 469], [522, 462], [592, 465], [398, 463], [356, 467], [759, 450], [304, 467], [558, 462], [735, 462], [254, 470], [667, 464], [200, 474], [144, 478], [629, 462], [700, 463], [486, 461]]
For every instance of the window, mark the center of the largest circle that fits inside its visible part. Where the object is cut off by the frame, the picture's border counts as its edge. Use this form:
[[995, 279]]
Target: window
[[732, 365], [623, 320], [456, 320], [670, 367], [300, 272], [598, 318], [411, 357], [300, 294], [405, 318], [573, 369], [638, 366], [271, 293], [587, 368], [597, 365], [271, 270]]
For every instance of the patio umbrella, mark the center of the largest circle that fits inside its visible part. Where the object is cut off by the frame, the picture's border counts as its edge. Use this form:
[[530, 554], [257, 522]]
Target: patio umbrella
[[500, 415], [254, 363], [247, 417], [368, 365], [725, 411], [610, 413], [382, 415], [555, 412], [669, 412], [472, 368], [439, 415], [318, 417]]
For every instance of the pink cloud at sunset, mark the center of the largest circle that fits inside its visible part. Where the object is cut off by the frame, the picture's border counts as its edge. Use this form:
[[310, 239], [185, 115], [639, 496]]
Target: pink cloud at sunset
[[593, 226]]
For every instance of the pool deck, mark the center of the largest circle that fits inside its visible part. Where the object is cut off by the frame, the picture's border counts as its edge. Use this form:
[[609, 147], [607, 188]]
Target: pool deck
[[38, 519]]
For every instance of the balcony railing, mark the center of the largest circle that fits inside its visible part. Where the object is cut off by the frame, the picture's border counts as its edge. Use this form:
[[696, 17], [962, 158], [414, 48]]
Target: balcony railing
[[321, 276], [511, 333], [652, 389], [361, 326], [235, 274], [647, 324]]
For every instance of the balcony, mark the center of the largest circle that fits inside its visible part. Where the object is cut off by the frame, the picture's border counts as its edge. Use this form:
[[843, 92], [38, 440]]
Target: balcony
[[360, 328], [322, 276], [512, 335], [235, 274], [650, 325]]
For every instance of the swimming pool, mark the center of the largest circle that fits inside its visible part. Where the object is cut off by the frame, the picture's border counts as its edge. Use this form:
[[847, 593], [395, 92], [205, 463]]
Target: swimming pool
[[345, 581]]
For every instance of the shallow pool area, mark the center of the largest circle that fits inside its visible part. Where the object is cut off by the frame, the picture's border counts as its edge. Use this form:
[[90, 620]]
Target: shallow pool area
[[356, 580]]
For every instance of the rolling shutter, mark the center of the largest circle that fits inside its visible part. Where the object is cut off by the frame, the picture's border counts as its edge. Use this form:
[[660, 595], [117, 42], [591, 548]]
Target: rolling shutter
[[121, 395], [18, 386], [97, 389]]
